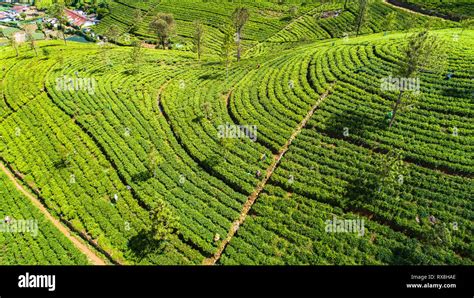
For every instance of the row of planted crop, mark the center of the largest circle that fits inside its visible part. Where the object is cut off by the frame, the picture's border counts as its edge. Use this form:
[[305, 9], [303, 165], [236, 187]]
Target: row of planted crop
[[210, 15], [93, 120], [365, 81], [335, 173], [287, 228], [364, 122], [41, 244], [66, 169], [111, 85], [111, 125], [196, 107], [277, 96]]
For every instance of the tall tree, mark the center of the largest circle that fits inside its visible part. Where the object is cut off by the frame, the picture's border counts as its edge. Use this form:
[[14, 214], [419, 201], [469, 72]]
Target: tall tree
[[30, 29], [154, 159], [163, 24], [361, 16], [390, 20], [422, 51], [240, 16], [198, 38], [136, 56], [13, 41], [112, 33], [57, 11], [293, 11], [137, 19], [163, 222], [227, 46]]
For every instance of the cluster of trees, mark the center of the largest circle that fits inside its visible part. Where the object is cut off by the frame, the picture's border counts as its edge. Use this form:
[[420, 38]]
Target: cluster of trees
[[164, 26]]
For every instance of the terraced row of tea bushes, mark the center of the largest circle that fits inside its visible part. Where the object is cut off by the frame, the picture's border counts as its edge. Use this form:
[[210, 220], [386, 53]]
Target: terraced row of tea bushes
[[343, 175], [286, 228], [126, 127], [277, 96], [312, 26], [120, 16], [437, 114], [81, 192], [236, 161], [5, 67], [430, 214], [42, 245], [266, 19]]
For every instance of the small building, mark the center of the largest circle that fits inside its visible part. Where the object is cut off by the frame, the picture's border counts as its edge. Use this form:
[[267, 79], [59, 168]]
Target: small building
[[79, 18], [20, 8]]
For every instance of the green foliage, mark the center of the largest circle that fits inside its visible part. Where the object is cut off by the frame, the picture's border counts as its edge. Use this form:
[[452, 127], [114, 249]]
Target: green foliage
[[198, 38], [163, 24], [45, 245], [163, 222], [147, 138], [136, 57], [361, 16], [240, 17]]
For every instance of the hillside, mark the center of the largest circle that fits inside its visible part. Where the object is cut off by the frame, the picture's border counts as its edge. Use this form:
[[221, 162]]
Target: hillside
[[105, 140]]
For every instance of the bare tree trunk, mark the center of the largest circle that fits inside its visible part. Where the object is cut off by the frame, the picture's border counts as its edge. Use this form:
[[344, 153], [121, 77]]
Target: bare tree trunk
[[33, 45], [64, 37], [395, 108], [199, 51], [359, 24], [227, 70], [239, 48]]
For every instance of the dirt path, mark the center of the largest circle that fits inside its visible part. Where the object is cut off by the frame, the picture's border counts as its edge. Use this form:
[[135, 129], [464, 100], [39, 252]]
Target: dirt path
[[269, 172], [93, 258]]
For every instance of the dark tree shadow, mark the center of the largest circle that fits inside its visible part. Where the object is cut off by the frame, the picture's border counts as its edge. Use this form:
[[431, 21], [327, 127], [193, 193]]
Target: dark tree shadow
[[354, 121], [143, 244], [60, 164], [456, 92], [213, 161], [142, 176], [209, 76], [198, 119], [362, 189]]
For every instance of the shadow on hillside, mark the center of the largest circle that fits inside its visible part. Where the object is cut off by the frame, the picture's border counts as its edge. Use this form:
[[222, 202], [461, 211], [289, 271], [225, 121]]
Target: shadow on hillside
[[456, 92], [213, 161], [286, 19], [143, 244], [198, 119], [142, 176], [354, 122], [363, 188], [209, 76]]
